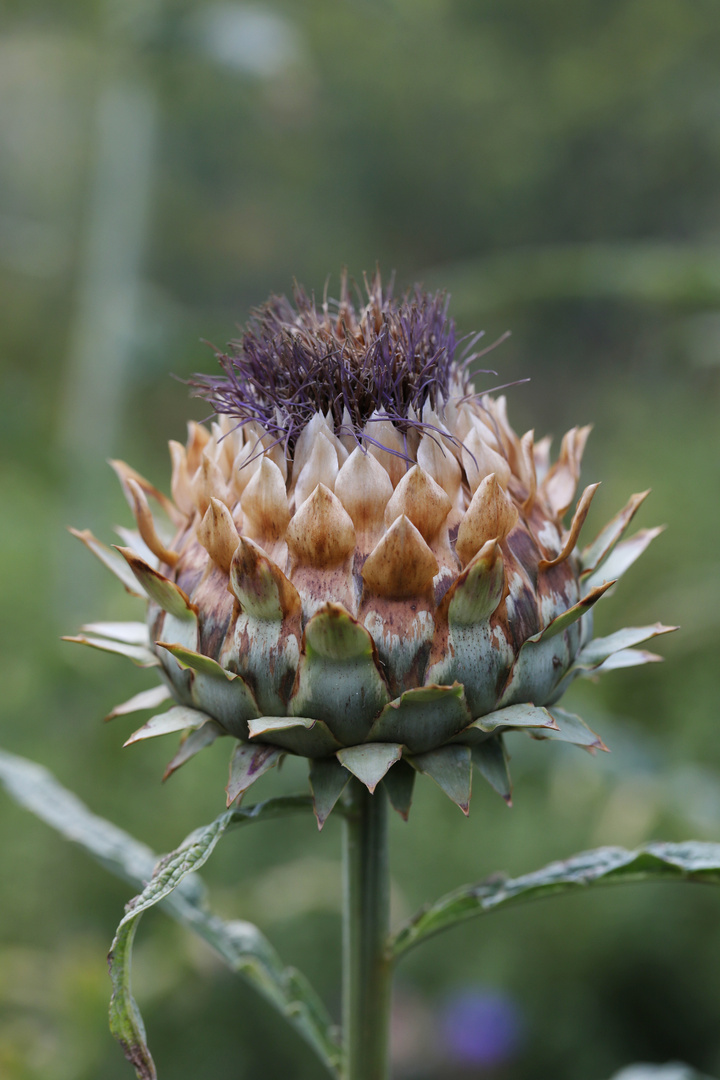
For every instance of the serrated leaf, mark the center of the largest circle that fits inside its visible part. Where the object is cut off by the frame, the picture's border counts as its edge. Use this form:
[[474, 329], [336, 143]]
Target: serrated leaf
[[693, 860], [370, 761], [451, 769], [240, 945], [126, 1023], [422, 718], [328, 780], [137, 653]]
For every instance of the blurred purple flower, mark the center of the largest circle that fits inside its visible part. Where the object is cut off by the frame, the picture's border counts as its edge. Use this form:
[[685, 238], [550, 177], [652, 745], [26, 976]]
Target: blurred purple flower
[[481, 1027]]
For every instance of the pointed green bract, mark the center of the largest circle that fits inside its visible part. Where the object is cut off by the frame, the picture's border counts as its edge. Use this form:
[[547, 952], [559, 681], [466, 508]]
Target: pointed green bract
[[218, 692], [490, 759], [451, 769], [622, 557], [478, 591], [299, 734], [249, 762], [338, 680], [328, 780], [137, 653], [179, 718], [132, 633], [164, 592], [567, 618], [196, 741], [599, 650], [625, 658], [370, 761], [399, 783], [534, 675], [598, 654], [188, 658], [114, 562], [572, 729], [146, 699], [513, 716], [423, 718], [469, 605], [602, 545]]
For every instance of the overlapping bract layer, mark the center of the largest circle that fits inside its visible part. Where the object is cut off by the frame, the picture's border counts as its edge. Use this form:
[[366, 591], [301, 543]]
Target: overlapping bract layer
[[382, 602]]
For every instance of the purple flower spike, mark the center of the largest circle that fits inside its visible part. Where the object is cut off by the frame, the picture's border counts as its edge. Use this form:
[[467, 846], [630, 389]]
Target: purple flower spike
[[382, 355]]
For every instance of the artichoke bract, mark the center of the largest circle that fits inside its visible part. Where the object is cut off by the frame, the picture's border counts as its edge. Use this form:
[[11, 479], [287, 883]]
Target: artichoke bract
[[362, 563]]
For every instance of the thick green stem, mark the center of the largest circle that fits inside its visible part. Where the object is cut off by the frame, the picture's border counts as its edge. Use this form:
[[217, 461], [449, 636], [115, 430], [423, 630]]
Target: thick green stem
[[366, 964]]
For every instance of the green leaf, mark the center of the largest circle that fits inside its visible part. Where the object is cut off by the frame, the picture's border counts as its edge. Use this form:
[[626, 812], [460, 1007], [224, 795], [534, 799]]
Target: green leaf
[[694, 861], [182, 895], [674, 1070], [126, 1023]]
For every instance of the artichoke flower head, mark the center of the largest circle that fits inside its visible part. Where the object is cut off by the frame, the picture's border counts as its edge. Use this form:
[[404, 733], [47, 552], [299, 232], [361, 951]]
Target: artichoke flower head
[[362, 563]]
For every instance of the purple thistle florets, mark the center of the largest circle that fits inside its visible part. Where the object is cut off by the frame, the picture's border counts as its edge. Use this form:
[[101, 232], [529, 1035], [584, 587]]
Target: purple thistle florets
[[382, 356]]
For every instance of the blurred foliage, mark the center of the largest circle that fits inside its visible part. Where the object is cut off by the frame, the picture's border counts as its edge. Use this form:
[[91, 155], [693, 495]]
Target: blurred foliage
[[162, 168]]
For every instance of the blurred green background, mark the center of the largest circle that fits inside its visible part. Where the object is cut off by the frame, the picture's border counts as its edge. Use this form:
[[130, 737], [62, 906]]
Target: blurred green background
[[163, 166]]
